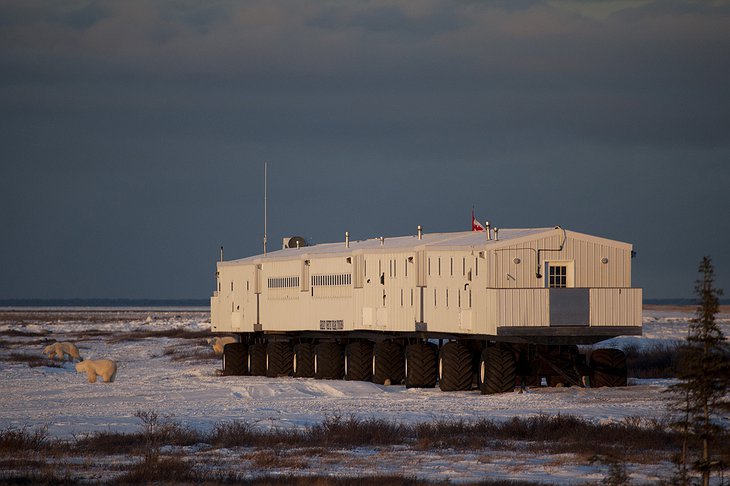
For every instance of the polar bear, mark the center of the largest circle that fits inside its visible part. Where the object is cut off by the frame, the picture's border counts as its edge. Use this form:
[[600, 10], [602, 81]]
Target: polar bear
[[105, 368], [60, 350], [219, 343]]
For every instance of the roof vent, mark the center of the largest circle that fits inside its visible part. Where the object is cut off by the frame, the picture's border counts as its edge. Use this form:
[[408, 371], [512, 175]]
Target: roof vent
[[420, 232], [294, 242], [347, 239]]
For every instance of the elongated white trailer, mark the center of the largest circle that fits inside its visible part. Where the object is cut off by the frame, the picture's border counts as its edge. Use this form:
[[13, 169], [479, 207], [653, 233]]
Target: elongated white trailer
[[490, 309]]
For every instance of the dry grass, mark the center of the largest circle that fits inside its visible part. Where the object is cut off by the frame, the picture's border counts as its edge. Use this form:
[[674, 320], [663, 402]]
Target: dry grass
[[166, 333], [188, 353], [33, 360], [276, 459], [276, 451], [16, 333]]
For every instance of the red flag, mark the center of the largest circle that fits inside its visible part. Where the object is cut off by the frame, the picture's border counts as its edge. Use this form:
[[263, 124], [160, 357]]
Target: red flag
[[476, 225]]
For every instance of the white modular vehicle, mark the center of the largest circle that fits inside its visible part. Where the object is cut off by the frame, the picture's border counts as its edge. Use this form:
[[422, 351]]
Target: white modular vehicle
[[491, 309]]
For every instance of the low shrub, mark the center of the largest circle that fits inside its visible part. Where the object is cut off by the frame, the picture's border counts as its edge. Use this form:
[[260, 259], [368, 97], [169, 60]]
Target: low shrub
[[338, 431], [658, 361], [24, 439]]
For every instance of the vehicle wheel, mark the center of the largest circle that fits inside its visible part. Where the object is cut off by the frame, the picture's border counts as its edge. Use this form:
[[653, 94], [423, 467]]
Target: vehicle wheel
[[358, 361], [303, 360], [388, 363], [420, 365], [234, 359], [329, 362], [257, 359], [454, 367], [497, 369], [278, 359], [608, 368]]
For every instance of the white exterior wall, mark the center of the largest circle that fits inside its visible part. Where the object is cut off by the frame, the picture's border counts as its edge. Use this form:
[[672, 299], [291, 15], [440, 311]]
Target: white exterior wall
[[585, 253], [233, 305], [466, 289]]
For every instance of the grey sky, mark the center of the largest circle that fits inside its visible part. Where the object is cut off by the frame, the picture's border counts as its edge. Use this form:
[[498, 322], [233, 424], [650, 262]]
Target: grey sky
[[133, 134]]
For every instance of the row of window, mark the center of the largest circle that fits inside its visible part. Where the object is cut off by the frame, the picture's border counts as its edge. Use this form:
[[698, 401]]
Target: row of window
[[283, 282], [332, 279]]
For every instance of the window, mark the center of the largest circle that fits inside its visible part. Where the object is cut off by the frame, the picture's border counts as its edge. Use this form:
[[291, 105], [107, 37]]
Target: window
[[557, 276], [447, 297]]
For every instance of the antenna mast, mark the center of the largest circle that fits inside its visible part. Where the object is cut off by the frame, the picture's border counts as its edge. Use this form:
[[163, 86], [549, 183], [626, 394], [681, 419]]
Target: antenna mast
[[266, 174]]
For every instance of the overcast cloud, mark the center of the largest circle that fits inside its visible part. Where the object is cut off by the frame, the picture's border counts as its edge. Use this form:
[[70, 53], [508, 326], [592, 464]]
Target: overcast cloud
[[133, 134]]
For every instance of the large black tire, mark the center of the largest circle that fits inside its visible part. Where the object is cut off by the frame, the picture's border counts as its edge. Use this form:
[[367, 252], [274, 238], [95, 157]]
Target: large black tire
[[455, 367], [303, 360], [329, 361], [497, 370], [388, 363], [359, 361], [257, 359], [278, 359], [420, 365], [608, 368], [234, 359]]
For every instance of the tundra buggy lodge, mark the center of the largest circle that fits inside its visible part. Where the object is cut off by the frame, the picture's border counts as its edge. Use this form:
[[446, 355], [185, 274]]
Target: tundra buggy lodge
[[491, 309]]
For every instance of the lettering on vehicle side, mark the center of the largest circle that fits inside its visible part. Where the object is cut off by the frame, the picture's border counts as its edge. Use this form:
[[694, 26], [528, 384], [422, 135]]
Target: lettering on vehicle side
[[331, 324]]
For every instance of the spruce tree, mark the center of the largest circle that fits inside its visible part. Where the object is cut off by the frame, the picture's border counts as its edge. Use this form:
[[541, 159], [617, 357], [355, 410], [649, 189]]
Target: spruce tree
[[704, 373]]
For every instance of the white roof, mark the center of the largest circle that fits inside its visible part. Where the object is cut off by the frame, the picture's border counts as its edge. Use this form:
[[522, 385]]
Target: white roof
[[433, 241]]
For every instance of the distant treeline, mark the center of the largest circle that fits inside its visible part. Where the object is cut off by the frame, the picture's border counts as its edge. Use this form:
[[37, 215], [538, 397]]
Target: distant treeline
[[104, 302], [692, 302]]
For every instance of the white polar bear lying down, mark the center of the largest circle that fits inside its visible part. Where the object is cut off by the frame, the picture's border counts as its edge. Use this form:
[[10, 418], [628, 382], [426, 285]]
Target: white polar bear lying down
[[105, 368], [219, 343], [60, 350]]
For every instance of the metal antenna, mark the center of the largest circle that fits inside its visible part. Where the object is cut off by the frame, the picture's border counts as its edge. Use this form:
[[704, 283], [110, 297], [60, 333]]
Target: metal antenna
[[266, 174]]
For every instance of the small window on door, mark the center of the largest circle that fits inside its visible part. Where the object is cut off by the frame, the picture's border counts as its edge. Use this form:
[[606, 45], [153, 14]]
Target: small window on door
[[559, 274]]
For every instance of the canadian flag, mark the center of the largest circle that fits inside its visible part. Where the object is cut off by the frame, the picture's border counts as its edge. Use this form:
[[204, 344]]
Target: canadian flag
[[476, 225]]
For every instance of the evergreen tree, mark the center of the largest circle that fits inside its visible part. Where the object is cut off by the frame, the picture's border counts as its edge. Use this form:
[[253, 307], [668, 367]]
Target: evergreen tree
[[704, 373]]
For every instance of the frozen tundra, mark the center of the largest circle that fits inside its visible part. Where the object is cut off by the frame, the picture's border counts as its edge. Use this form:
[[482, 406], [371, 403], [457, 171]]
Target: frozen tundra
[[494, 309]]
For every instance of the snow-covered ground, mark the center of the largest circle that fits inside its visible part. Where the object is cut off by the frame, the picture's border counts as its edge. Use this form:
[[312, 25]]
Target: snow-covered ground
[[190, 392]]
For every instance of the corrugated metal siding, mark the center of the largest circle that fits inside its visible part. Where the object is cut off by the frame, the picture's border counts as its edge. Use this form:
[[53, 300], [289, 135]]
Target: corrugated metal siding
[[517, 307], [587, 255], [615, 307]]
